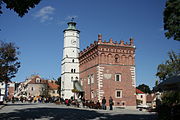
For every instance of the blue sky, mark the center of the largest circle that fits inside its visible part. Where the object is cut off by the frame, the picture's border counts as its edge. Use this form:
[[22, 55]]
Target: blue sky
[[39, 34]]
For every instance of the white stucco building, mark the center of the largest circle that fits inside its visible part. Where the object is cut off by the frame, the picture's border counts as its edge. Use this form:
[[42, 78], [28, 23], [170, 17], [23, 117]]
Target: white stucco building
[[70, 62]]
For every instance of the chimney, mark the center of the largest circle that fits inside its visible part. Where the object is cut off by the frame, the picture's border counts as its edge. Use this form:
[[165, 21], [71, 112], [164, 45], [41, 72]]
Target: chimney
[[99, 38], [131, 41], [122, 42], [111, 41]]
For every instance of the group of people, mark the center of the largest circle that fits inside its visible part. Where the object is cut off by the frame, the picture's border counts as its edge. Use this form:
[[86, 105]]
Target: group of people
[[111, 103], [68, 102], [36, 99], [89, 103]]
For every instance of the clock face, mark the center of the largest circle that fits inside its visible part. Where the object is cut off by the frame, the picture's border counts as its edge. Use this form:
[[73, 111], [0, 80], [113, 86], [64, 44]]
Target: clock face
[[73, 41]]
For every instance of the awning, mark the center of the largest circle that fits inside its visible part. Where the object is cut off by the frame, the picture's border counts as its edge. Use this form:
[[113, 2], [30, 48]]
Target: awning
[[78, 86]]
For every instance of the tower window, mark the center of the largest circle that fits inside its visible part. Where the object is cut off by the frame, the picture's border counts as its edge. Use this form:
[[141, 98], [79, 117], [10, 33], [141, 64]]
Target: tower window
[[71, 70], [74, 70], [73, 60]]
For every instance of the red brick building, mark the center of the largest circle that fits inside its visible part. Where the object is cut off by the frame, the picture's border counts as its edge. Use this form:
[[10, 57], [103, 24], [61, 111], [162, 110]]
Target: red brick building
[[108, 69]]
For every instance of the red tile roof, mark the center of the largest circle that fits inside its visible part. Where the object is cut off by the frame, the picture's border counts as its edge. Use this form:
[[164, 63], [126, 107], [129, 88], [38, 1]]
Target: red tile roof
[[139, 91], [53, 86], [150, 98]]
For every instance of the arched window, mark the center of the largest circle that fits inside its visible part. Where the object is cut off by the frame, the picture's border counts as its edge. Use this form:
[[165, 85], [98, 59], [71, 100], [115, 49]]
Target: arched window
[[109, 58], [116, 58], [73, 60], [74, 70], [71, 70]]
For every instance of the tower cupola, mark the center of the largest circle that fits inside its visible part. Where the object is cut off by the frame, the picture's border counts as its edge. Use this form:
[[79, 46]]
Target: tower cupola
[[71, 26]]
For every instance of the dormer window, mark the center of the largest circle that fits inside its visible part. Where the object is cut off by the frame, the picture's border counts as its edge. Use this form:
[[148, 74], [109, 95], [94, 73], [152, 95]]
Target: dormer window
[[38, 80]]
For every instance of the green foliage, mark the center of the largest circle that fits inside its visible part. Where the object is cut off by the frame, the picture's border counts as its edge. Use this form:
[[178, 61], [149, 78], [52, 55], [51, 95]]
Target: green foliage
[[156, 83], [172, 19], [164, 112], [170, 105], [21, 7], [9, 63], [171, 97], [144, 88], [170, 68]]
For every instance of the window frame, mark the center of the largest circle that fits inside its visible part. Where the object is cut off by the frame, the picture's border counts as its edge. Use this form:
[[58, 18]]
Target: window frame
[[117, 93], [120, 77], [89, 79], [92, 78]]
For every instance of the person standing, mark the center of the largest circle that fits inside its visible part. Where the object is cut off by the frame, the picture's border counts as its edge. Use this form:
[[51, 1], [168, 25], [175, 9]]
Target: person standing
[[111, 103], [104, 103]]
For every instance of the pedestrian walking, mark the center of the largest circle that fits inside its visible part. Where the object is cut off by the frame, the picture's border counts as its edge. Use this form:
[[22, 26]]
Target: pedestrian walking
[[104, 103], [111, 103]]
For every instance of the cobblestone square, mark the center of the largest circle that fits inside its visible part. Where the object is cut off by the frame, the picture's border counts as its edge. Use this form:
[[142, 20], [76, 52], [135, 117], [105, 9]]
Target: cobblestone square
[[50, 111]]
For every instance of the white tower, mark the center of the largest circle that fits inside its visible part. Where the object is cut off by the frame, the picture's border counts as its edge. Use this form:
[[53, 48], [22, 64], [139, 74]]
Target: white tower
[[70, 62]]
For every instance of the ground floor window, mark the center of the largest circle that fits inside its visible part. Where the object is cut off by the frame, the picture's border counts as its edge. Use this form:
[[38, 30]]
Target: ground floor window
[[118, 93]]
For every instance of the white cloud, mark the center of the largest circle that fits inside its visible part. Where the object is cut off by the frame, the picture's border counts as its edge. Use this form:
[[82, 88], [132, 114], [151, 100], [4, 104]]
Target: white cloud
[[45, 13]]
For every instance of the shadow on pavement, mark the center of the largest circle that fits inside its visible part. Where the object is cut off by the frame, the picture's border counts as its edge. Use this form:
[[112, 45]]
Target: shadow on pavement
[[18, 104], [69, 114]]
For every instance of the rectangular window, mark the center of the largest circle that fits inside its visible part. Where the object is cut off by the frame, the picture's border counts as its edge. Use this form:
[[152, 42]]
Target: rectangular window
[[117, 77], [89, 79], [92, 94], [118, 93], [92, 78], [81, 80]]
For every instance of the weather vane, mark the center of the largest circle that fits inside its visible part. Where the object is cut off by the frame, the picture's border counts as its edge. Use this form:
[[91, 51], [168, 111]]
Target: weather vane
[[72, 19]]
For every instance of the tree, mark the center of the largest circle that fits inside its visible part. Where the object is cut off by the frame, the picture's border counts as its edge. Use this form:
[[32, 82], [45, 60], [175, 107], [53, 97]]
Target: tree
[[144, 88], [9, 63], [170, 68], [21, 7], [172, 19]]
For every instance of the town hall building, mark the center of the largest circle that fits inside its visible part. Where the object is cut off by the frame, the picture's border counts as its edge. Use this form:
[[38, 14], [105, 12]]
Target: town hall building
[[103, 69]]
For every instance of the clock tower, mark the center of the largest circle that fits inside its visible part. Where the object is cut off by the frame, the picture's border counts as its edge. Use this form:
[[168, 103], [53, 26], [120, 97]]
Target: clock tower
[[70, 62]]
